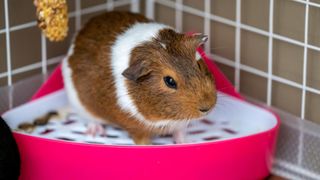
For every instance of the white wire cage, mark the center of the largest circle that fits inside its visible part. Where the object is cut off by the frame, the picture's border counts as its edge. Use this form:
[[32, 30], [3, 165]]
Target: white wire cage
[[297, 151]]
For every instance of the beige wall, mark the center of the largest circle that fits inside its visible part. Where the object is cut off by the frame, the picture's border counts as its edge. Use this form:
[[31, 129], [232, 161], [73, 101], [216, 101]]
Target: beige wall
[[287, 58]]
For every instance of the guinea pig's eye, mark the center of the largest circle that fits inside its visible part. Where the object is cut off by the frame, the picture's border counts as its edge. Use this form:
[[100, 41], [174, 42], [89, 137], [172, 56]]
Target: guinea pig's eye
[[170, 82]]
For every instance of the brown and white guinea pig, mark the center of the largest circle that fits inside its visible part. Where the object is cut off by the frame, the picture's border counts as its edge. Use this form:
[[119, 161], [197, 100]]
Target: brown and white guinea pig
[[140, 75]]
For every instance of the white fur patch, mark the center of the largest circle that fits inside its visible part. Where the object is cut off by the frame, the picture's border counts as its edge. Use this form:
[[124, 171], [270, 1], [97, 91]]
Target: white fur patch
[[120, 59], [198, 56]]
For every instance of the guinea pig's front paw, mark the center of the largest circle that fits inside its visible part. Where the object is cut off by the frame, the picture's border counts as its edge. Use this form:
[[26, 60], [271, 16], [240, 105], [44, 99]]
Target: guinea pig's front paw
[[94, 128], [179, 136]]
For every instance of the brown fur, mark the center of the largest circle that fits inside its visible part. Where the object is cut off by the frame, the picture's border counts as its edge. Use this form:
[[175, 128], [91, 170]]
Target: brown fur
[[195, 85], [93, 78]]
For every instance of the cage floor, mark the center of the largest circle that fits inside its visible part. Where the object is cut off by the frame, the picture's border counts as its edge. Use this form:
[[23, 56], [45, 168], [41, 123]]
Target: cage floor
[[231, 118]]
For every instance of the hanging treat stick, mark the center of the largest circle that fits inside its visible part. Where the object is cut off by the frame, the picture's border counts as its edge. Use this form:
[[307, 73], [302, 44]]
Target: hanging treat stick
[[53, 18]]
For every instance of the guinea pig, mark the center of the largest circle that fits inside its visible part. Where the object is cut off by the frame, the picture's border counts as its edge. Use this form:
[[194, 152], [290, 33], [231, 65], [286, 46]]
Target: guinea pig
[[143, 76]]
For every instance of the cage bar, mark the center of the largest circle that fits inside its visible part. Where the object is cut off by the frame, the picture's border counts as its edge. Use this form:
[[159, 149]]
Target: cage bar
[[33, 66], [150, 9], [78, 15], [135, 6], [20, 26], [308, 2], [207, 23], [237, 46], [270, 53], [304, 81], [109, 5], [294, 168], [43, 54], [179, 13], [8, 46], [305, 60]]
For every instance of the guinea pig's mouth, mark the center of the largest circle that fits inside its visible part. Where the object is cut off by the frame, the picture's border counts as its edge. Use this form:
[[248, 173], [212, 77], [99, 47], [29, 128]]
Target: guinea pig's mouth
[[206, 110]]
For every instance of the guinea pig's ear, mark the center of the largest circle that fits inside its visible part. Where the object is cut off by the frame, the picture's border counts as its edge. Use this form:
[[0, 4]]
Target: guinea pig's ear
[[200, 38], [203, 67], [136, 70]]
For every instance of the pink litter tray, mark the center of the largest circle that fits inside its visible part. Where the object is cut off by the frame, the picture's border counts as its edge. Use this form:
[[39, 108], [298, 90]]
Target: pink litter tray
[[235, 141]]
